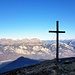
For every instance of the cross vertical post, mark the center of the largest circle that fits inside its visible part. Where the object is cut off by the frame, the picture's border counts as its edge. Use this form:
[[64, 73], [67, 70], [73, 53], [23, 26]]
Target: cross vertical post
[[57, 39]]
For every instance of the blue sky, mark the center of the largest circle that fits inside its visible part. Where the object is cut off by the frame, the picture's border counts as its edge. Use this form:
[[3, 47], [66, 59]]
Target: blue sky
[[34, 18]]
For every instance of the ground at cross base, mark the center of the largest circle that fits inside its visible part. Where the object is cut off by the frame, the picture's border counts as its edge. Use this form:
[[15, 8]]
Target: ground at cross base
[[66, 66]]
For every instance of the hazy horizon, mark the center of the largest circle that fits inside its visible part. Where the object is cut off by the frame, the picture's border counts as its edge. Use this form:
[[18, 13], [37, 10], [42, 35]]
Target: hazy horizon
[[34, 38]]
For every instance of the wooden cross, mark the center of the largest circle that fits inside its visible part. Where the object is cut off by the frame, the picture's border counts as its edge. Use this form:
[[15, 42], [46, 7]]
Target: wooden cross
[[57, 39]]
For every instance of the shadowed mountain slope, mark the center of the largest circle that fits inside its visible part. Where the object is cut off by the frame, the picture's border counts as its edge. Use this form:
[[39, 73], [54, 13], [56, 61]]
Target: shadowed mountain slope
[[20, 62], [47, 67]]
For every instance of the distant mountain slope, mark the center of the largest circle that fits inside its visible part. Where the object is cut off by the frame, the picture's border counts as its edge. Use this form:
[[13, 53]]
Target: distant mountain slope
[[20, 62], [36, 49], [4, 63], [47, 67]]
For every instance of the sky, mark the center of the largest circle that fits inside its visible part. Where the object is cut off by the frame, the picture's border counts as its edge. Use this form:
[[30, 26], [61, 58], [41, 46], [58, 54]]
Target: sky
[[34, 18]]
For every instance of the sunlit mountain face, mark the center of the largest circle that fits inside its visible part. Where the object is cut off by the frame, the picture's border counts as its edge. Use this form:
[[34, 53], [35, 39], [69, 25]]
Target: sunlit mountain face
[[35, 49]]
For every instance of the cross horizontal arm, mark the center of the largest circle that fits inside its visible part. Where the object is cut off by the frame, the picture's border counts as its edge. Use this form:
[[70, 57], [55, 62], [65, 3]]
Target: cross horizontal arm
[[56, 31], [61, 31], [52, 31]]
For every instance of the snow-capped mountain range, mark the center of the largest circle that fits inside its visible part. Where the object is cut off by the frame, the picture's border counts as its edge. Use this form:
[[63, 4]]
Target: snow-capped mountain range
[[34, 49]]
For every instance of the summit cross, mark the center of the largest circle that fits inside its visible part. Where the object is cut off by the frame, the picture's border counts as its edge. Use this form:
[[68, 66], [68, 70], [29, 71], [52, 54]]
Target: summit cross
[[57, 39]]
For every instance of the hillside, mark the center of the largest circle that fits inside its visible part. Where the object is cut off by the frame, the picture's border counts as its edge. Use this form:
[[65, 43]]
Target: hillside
[[47, 67], [18, 63]]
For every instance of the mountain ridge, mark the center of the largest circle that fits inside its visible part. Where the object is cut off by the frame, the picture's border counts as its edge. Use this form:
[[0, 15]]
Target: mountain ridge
[[37, 50]]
